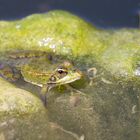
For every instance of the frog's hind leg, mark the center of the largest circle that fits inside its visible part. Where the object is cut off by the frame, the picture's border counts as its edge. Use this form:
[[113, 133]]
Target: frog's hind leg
[[9, 73]]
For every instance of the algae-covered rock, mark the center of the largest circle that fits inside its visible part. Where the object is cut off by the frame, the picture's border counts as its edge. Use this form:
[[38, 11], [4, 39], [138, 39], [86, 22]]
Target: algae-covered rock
[[57, 31], [121, 58]]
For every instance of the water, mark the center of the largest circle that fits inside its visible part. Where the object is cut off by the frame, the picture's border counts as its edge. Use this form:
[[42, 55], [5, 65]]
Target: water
[[107, 13]]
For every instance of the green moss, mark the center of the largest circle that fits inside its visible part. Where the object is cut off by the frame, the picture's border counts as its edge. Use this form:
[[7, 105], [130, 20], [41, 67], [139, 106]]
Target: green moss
[[119, 57], [58, 31]]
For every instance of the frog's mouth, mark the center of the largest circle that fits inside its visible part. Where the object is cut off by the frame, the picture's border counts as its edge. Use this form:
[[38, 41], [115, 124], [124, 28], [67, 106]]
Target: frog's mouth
[[69, 78]]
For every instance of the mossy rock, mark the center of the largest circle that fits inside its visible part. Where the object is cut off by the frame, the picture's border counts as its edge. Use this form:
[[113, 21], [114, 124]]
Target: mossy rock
[[15, 101], [58, 31], [20, 110]]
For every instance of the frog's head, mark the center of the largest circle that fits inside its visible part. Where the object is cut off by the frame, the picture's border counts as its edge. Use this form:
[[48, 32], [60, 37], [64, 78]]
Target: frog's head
[[64, 74]]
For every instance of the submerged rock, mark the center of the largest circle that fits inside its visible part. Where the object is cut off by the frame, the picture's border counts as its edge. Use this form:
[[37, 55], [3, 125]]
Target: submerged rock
[[23, 116], [103, 112]]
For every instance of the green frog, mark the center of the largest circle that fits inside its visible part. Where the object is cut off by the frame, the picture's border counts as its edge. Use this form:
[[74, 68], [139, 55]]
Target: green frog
[[39, 68]]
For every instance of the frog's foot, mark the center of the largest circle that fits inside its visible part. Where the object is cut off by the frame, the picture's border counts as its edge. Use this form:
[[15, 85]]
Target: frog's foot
[[91, 75], [9, 73]]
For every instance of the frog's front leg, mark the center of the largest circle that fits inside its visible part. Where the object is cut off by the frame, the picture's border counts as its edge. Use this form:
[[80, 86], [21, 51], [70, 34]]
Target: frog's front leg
[[44, 93]]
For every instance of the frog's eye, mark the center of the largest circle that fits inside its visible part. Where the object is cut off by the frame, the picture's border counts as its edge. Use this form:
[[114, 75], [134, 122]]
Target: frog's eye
[[60, 71]]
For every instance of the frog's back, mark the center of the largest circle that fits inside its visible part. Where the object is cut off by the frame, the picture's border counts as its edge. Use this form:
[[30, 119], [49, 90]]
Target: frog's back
[[38, 71], [25, 61]]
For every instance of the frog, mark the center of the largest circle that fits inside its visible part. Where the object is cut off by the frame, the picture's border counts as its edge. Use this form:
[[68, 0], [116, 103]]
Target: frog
[[39, 68]]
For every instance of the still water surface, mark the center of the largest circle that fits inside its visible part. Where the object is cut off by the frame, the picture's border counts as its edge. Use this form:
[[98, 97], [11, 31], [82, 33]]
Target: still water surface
[[103, 13]]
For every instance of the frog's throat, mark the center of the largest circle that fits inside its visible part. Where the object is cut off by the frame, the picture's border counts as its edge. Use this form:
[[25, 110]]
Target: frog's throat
[[67, 79]]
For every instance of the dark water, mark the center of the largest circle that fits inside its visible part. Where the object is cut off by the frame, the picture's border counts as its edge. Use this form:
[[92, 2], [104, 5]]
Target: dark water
[[103, 13]]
